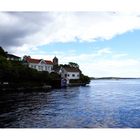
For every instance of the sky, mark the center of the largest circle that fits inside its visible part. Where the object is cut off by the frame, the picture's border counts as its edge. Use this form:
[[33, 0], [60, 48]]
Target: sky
[[104, 44]]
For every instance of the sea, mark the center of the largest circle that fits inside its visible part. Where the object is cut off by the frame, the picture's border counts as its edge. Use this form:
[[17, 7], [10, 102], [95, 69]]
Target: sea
[[101, 104]]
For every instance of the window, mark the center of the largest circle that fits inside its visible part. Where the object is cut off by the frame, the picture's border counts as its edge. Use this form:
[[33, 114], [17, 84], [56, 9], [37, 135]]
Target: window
[[77, 75], [65, 75], [41, 67], [73, 75], [68, 75], [46, 68]]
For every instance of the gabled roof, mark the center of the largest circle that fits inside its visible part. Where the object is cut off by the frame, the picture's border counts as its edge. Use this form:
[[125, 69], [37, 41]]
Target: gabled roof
[[49, 62], [71, 69], [31, 60]]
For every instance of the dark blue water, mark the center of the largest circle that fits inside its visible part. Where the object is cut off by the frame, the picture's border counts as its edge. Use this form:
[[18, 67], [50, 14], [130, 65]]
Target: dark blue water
[[102, 104]]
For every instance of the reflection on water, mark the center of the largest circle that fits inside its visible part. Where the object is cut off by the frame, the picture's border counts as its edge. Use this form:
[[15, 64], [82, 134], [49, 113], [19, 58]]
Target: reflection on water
[[102, 104]]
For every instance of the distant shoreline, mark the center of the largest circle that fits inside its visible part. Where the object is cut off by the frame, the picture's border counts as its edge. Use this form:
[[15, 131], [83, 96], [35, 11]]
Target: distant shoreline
[[111, 78]]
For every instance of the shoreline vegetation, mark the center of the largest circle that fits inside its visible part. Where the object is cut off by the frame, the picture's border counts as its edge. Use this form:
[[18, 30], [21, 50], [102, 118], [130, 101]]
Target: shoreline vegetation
[[14, 76]]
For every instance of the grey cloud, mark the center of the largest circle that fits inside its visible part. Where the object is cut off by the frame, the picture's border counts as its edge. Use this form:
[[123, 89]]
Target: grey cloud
[[20, 26]]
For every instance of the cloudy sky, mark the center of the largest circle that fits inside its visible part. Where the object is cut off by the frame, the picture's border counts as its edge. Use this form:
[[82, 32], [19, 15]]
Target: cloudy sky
[[102, 43]]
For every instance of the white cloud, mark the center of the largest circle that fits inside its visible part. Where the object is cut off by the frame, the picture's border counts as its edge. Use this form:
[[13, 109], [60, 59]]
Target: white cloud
[[112, 64], [89, 26], [113, 67], [104, 51], [40, 28], [120, 55], [120, 68]]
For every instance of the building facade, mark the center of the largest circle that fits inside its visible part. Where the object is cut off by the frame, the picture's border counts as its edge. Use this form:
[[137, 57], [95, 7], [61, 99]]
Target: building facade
[[69, 73], [39, 64]]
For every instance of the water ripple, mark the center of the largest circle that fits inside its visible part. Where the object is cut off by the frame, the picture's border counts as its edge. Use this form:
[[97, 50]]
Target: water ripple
[[102, 104]]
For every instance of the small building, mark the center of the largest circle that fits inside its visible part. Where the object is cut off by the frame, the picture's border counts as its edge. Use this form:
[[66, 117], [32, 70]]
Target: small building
[[69, 73], [13, 57], [39, 64]]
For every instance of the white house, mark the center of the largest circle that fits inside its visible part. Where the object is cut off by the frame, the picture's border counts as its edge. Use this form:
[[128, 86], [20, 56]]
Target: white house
[[69, 73], [39, 64]]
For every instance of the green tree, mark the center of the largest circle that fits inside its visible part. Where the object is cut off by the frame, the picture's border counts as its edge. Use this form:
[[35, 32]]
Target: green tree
[[55, 80], [84, 79], [73, 64], [2, 52], [54, 76]]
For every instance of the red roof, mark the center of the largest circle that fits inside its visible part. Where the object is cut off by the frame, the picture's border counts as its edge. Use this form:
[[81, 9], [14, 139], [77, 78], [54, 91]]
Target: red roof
[[31, 60], [49, 62]]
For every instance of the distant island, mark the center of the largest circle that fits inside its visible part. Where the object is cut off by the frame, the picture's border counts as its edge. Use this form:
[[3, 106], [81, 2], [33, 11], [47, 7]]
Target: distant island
[[112, 78]]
